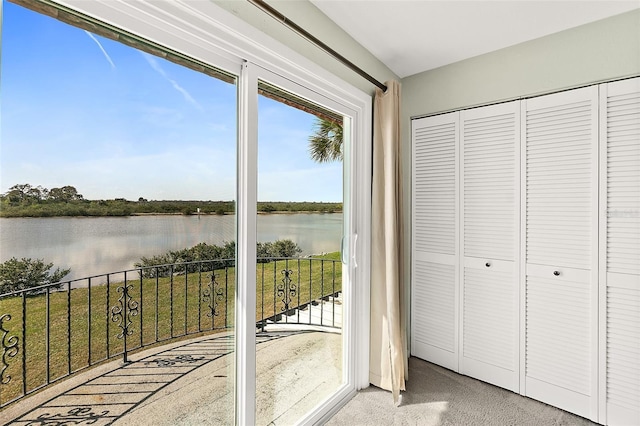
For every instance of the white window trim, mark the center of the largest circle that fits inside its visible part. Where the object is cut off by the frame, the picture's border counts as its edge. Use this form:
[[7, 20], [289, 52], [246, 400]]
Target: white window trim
[[204, 31]]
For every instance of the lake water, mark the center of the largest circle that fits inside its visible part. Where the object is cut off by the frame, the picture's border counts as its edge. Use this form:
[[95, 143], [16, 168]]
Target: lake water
[[96, 245]]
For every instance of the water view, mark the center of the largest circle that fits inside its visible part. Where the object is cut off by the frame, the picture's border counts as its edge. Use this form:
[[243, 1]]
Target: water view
[[91, 246]]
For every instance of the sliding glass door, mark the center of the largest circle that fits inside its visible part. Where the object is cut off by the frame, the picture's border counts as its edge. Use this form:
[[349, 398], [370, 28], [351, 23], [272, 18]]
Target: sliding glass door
[[272, 336], [299, 346], [297, 288]]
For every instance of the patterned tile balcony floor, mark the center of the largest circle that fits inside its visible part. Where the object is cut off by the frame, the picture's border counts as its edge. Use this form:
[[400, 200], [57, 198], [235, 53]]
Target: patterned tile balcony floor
[[187, 383]]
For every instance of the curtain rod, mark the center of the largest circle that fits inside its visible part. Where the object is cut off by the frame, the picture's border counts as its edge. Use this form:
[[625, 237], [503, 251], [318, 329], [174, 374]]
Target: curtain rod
[[304, 33]]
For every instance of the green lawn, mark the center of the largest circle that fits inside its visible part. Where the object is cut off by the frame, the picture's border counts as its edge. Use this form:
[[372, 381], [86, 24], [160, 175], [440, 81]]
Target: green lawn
[[84, 317]]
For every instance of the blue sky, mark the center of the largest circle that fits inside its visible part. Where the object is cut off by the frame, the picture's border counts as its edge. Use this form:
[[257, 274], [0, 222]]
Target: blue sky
[[82, 110]]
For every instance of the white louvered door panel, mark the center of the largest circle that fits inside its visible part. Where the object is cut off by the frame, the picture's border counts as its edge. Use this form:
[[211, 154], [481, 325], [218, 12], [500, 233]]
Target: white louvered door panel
[[620, 262], [490, 184], [434, 310], [560, 141]]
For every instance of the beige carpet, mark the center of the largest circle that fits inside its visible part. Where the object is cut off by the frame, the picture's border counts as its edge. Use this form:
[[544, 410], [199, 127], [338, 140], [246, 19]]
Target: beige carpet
[[436, 396]]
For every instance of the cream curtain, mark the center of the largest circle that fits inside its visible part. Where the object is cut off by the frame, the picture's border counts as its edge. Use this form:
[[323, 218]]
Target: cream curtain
[[388, 360]]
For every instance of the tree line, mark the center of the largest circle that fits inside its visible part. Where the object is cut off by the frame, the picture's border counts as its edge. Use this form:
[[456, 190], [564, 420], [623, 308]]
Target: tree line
[[25, 194], [25, 200]]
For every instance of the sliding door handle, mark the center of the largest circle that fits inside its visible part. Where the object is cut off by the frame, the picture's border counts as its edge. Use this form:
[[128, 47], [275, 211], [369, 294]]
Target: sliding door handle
[[344, 255], [354, 251]]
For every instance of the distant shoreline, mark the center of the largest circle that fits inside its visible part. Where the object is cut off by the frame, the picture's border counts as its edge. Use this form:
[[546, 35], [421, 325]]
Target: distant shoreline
[[163, 214], [170, 214], [124, 208], [231, 213]]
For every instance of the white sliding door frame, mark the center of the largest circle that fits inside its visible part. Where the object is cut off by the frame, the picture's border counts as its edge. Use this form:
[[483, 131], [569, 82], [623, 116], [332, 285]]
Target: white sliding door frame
[[350, 260], [246, 217], [205, 32]]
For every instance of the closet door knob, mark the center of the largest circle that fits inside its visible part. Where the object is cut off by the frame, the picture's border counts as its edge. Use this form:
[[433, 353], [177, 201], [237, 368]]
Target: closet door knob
[[488, 265], [556, 273]]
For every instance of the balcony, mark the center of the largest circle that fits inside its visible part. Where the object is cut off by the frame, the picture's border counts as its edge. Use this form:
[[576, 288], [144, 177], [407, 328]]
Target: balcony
[[115, 347]]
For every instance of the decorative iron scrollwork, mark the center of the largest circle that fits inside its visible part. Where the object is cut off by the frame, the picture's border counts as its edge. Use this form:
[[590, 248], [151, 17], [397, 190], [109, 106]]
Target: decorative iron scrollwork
[[9, 348], [179, 359], [287, 290], [212, 294], [124, 311], [75, 416]]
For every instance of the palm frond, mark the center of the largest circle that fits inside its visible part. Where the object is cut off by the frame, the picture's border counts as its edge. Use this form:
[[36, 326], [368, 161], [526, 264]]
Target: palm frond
[[325, 144]]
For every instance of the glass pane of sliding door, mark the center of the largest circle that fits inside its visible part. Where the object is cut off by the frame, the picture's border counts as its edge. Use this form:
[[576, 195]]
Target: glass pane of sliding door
[[299, 344], [118, 168]]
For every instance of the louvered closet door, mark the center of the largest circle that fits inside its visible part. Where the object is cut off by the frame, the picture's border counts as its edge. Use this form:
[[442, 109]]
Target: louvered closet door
[[620, 262], [490, 220], [434, 265], [561, 312]]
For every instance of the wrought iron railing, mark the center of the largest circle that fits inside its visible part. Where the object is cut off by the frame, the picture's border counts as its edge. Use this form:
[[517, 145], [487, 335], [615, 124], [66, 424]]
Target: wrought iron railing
[[50, 332]]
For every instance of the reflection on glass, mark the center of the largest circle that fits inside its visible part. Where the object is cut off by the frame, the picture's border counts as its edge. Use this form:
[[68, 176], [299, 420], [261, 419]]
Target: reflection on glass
[[118, 166], [299, 297]]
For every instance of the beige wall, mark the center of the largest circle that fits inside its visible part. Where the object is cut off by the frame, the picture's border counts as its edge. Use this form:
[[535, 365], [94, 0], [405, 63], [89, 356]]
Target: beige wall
[[603, 50], [309, 17]]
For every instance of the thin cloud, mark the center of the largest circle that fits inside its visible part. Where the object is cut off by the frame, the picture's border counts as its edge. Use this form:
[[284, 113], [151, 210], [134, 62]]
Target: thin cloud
[[157, 68], [104, 52]]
